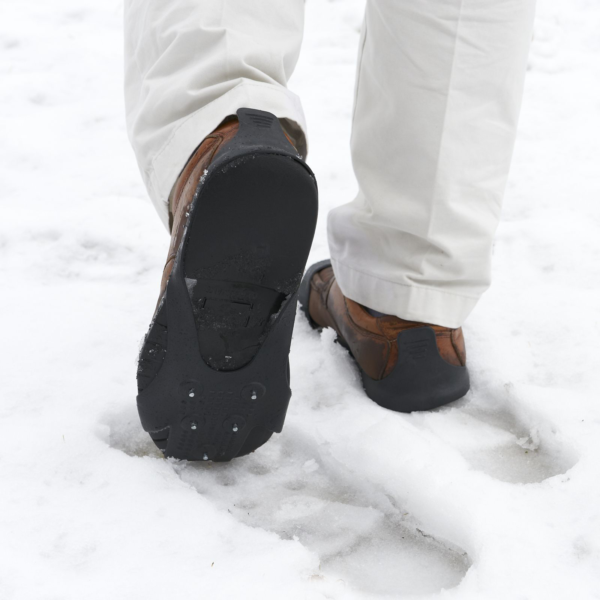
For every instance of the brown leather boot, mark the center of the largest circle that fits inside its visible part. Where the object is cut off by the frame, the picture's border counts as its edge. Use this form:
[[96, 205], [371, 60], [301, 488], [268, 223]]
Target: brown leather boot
[[213, 374], [405, 365]]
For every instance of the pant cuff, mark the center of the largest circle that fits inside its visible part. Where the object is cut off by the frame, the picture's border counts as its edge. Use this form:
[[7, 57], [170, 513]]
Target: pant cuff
[[172, 157], [412, 303]]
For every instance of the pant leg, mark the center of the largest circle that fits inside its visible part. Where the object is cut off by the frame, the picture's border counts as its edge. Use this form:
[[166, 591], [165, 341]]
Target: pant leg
[[438, 94], [191, 63]]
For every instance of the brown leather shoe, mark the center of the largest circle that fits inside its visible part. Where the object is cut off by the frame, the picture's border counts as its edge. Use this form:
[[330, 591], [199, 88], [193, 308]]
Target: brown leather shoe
[[213, 375], [405, 365]]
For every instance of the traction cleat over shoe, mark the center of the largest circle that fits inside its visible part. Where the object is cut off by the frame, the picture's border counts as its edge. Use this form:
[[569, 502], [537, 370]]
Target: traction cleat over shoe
[[404, 365], [213, 372]]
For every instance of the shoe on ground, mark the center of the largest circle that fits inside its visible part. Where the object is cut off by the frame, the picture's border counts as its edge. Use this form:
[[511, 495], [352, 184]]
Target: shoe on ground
[[404, 365]]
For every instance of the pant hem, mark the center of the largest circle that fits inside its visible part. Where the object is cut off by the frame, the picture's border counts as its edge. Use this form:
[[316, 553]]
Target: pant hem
[[412, 303]]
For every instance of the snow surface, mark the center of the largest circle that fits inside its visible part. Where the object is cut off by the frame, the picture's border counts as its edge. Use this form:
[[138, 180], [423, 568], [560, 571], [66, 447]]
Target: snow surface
[[494, 497]]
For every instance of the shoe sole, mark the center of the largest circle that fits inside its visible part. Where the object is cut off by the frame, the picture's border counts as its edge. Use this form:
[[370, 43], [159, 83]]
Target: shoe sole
[[421, 379], [214, 370]]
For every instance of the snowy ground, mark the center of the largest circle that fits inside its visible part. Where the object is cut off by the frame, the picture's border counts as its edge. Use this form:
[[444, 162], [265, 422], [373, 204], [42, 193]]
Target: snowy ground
[[494, 497]]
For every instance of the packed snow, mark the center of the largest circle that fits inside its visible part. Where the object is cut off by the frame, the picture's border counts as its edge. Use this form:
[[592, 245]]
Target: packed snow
[[496, 496]]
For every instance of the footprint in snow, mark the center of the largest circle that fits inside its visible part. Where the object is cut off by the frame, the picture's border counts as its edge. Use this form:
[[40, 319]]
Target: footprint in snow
[[490, 428], [485, 429], [293, 488]]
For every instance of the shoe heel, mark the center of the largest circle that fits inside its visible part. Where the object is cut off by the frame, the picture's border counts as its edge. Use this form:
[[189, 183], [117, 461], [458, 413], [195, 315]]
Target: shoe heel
[[421, 379], [260, 132]]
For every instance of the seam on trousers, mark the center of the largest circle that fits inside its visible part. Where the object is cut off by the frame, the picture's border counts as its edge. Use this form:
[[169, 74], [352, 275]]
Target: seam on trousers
[[406, 285], [174, 132]]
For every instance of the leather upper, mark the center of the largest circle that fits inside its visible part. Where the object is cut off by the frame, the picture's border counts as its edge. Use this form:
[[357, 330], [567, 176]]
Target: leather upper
[[372, 340]]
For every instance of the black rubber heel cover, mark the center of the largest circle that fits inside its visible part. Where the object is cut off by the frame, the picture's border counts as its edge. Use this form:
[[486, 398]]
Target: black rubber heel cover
[[421, 379]]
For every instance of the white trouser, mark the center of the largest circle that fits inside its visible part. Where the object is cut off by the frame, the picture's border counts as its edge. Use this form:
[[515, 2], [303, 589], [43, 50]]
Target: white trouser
[[438, 94]]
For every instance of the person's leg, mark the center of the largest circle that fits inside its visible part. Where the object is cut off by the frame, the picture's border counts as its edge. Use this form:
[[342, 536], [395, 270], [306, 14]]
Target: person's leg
[[191, 63], [438, 94], [437, 101]]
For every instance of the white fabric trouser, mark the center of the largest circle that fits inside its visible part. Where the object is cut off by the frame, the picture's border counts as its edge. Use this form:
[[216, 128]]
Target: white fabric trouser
[[438, 93]]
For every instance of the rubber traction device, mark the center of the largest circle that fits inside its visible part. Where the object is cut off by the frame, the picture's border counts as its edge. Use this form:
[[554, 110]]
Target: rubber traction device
[[213, 374]]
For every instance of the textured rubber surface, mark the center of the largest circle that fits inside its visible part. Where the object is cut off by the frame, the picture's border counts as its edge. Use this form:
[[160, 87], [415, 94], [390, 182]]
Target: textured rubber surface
[[213, 378], [421, 379]]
